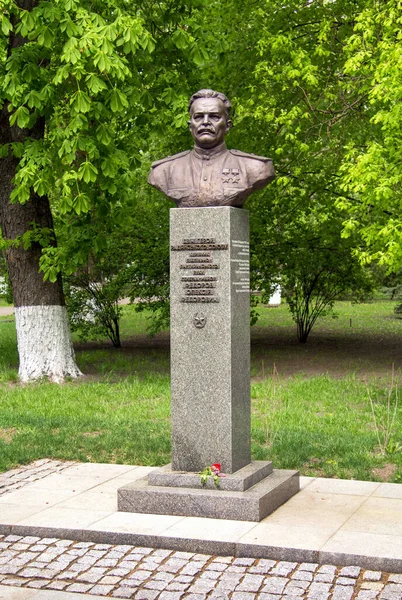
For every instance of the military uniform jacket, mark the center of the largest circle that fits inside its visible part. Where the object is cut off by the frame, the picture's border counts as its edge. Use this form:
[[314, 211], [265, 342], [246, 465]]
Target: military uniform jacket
[[214, 177]]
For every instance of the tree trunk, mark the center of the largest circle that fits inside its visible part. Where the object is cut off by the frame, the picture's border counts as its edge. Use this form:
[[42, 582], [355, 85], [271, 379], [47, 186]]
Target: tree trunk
[[43, 335]]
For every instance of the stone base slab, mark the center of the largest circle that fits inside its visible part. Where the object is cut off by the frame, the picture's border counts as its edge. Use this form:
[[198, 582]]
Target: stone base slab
[[240, 481], [253, 504]]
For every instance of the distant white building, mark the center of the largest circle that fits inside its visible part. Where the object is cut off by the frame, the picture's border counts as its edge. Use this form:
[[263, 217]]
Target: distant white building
[[3, 286], [275, 299]]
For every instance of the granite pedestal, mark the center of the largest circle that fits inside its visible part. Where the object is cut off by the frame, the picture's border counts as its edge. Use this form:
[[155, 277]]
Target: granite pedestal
[[210, 378]]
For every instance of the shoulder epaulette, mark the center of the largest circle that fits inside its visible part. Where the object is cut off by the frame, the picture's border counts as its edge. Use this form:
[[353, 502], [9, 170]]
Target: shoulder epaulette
[[247, 155], [168, 158]]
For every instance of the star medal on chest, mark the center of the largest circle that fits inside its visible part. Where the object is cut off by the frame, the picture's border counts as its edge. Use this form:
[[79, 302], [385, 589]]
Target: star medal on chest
[[230, 176]]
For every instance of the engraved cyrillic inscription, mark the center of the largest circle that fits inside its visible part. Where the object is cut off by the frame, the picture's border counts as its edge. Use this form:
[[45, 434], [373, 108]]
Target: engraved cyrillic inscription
[[198, 285], [241, 262]]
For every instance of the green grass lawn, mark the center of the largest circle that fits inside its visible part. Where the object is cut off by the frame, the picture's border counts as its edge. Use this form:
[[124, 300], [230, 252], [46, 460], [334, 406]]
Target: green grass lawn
[[314, 414]]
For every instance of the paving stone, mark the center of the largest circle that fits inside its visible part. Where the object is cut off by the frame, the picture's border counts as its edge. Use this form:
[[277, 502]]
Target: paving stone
[[20, 546], [392, 591], [142, 550], [173, 565], [86, 560], [79, 587], [123, 564], [14, 582], [163, 576], [9, 569], [97, 553], [146, 595], [162, 553], [211, 575], [175, 586], [234, 569], [395, 578], [229, 582], [324, 577], [29, 572], [57, 585], [302, 575], [308, 567], [218, 566], [350, 572], [283, 568], [78, 568], [130, 558], [93, 575], [193, 568], [183, 578], [60, 564], [123, 592], [109, 580], [131, 583], [67, 575], [36, 583], [250, 583], [64, 543], [372, 575], [367, 595], [24, 557], [157, 560], [345, 581], [268, 597], [38, 548], [171, 595], [293, 592], [274, 585], [319, 590], [244, 562], [201, 557], [76, 552], [154, 584], [141, 575], [202, 586], [196, 597], [101, 589], [299, 584], [329, 569], [342, 592], [243, 596], [119, 571], [372, 585], [183, 555], [218, 595]]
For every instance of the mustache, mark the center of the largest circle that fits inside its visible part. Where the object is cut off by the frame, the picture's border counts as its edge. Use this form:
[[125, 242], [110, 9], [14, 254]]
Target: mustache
[[206, 129]]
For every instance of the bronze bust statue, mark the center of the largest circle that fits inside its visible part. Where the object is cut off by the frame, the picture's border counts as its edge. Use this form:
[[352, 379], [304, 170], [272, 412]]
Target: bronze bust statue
[[210, 174]]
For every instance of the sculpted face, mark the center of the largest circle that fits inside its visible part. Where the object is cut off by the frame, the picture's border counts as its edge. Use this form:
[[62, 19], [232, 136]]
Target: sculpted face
[[208, 124]]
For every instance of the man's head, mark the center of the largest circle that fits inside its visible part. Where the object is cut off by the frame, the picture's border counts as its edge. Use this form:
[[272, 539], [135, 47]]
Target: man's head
[[209, 118]]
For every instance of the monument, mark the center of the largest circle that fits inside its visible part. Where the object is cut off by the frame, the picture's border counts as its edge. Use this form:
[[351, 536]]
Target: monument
[[210, 331]]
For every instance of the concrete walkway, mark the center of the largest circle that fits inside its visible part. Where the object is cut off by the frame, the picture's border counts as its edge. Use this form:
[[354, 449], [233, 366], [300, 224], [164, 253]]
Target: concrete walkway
[[344, 534]]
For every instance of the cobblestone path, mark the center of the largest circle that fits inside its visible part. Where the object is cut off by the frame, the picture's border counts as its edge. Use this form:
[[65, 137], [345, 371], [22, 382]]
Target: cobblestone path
[[13, 480], [149, 574], [155, 574]]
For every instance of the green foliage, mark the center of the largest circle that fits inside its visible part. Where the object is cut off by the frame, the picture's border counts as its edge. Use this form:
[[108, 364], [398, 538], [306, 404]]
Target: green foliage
[[92, 304], [98, 75], [315, 85]]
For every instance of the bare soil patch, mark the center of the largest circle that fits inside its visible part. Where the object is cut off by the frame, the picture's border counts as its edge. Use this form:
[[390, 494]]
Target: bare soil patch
[[7, 434], [335, 354]]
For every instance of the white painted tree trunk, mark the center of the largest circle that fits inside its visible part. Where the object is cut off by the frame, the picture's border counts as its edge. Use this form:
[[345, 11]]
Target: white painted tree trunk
[[44, 343]]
